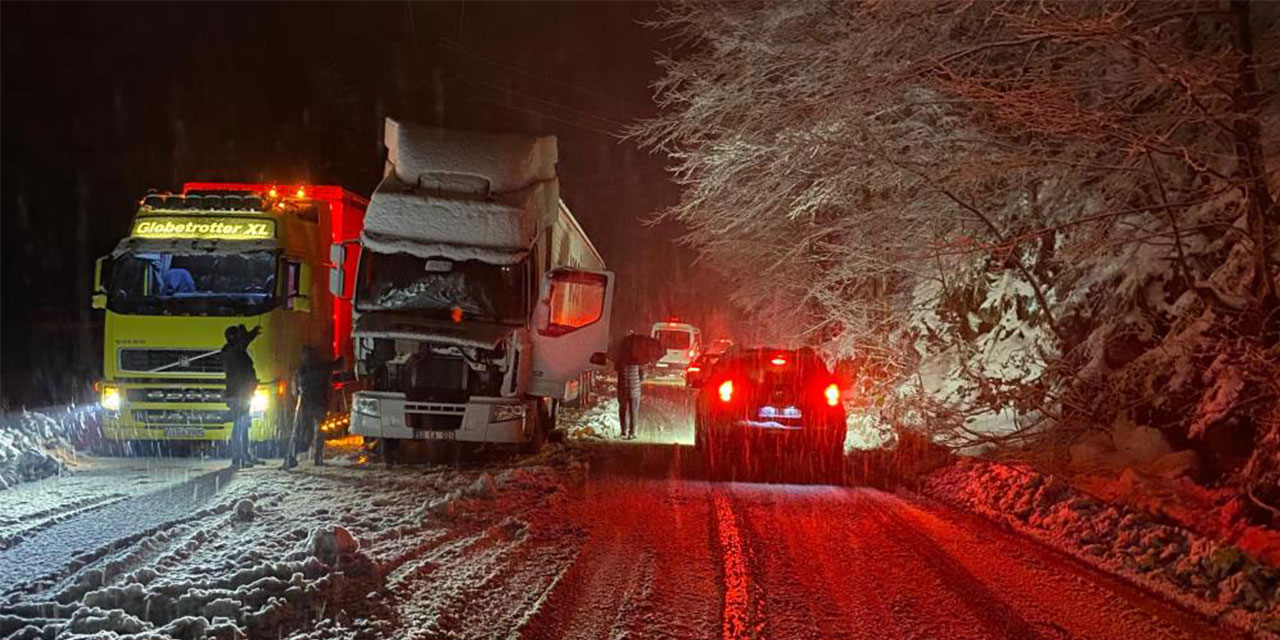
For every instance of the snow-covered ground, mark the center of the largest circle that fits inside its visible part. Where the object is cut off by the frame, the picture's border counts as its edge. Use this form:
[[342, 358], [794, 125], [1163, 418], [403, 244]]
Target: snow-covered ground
[[545, 546], [86, 484], [343, 551], [1216, 579]]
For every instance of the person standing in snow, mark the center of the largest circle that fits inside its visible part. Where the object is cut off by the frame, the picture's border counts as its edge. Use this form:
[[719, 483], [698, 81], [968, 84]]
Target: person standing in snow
[[242, 380], [311, 384], [630, 377]]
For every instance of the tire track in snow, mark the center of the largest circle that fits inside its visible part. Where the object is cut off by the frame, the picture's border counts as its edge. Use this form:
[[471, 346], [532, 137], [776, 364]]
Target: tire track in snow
[[58, 551], [646, 567], [740, 619], [26, 525]]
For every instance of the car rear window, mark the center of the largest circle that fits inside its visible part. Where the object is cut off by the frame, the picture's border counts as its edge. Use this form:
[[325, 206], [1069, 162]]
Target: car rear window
[[761, 369]]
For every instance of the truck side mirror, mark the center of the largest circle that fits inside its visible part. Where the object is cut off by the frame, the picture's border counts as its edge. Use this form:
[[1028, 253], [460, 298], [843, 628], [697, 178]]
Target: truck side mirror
[[337, 270], [297, 285], [102, 268]]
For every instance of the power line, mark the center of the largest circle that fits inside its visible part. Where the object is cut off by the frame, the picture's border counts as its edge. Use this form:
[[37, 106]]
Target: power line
[[451, 45], [480, 83], [549, 117]]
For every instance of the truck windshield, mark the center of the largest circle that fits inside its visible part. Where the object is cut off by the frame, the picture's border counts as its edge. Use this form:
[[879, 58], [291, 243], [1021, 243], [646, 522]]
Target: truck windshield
[[673, 338], [404, 282], [228, 284]]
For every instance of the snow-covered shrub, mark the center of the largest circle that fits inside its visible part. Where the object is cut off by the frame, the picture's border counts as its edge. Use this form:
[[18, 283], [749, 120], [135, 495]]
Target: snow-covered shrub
[[32, 446]]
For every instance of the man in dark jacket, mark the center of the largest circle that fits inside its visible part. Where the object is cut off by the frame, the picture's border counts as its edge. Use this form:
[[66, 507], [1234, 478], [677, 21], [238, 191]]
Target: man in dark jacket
[[311, 383], [627, 365], [242, 381]]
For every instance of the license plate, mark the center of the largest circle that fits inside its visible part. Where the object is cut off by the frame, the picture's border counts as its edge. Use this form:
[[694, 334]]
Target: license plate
[[183, 432], [426, 434], [779, 412]]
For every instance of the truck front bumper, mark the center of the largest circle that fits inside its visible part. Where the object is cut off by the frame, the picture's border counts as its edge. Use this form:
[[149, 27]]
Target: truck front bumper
[[155, 411], [381, 414]]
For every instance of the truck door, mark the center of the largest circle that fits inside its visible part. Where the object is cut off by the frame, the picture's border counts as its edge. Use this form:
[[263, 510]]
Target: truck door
[[570, 328]]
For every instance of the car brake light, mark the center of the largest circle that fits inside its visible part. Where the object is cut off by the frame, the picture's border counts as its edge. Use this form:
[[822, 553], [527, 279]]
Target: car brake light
[[778, 361], [833, 395], [726, 391]]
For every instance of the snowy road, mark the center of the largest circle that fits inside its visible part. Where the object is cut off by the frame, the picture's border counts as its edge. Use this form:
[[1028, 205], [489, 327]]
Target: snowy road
[[635, 546], [688, 559]]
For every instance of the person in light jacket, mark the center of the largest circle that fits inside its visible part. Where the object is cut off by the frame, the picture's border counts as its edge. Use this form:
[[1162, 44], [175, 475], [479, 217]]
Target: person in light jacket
[[630, 377]]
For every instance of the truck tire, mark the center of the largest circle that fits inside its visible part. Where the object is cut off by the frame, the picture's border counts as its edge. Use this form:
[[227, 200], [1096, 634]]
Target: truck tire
[[387, 450]]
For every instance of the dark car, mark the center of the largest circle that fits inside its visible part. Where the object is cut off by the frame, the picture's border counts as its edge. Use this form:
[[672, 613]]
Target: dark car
[[763, 403], [699, 369]]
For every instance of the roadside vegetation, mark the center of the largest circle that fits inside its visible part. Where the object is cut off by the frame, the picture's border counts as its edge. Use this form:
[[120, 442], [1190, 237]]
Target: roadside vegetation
[[1045, 231]]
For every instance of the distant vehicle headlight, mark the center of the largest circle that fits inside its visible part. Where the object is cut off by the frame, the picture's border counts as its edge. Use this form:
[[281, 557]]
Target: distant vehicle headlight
[[261, 397], [111, 398], [368, 406], [506, 412]]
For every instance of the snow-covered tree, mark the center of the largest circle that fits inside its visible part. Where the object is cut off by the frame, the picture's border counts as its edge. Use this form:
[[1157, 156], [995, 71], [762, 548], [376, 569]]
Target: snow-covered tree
[[1036, 214]]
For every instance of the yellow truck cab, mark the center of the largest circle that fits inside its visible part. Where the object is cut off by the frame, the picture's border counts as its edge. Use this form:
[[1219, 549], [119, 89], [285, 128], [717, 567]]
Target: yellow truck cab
[[197, 262]]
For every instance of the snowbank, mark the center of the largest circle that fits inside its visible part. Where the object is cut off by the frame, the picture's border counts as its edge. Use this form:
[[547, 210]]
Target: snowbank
[[1217, 579], [33, 446], [600, 420]]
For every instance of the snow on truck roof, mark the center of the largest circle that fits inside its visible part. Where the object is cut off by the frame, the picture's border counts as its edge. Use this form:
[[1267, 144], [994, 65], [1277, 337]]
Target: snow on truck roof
[[462, 194], [503, 162]]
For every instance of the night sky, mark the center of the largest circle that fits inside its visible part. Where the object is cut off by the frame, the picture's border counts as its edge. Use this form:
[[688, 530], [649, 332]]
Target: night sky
[[101, 102]]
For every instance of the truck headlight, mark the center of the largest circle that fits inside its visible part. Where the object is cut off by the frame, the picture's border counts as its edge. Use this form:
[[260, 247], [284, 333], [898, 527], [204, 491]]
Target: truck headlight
[[261, 397], [368, 406], [506, 412], [111, 398]]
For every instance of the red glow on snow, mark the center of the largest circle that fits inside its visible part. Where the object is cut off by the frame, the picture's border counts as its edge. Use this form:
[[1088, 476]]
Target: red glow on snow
[[737, 578]]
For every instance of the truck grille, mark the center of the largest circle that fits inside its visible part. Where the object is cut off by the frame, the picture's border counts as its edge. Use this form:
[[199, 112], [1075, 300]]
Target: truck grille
[[181, 416], [171, 360], [160, 394], [433, 416], [435, 378]]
